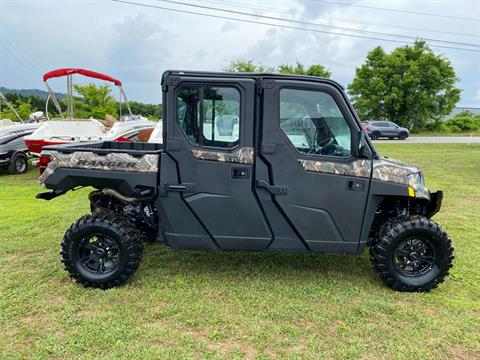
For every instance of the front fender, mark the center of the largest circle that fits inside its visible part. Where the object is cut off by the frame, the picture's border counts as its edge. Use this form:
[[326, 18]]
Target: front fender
[[435, 203]]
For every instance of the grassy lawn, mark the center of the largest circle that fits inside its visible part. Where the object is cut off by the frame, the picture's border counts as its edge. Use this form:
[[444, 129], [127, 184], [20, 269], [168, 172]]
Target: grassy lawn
[[451, 134], [183, 305]]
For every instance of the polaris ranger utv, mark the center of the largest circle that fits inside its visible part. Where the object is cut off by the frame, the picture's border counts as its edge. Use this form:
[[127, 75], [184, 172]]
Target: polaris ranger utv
[[258, 162]]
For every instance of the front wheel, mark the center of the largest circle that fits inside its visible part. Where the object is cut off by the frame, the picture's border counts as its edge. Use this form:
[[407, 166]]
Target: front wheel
[[101, 250], [402, 136], [411, 254]]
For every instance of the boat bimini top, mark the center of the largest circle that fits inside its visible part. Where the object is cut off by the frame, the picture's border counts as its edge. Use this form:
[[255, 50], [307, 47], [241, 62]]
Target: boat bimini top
[[68, 72]]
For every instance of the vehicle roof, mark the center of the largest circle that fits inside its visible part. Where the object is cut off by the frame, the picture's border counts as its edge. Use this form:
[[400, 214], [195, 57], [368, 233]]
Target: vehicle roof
[[256, 76]]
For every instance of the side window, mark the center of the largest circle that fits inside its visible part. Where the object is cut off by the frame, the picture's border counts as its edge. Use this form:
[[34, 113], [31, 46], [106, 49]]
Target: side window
[[209, 115], [313, 123], [392, 125]]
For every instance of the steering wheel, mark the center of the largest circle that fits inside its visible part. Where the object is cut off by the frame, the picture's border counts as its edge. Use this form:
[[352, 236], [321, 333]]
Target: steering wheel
[[326, 142]]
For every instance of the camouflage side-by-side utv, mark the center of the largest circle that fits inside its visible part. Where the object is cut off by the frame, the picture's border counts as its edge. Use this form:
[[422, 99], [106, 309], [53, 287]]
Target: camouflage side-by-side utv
[[258, 162]]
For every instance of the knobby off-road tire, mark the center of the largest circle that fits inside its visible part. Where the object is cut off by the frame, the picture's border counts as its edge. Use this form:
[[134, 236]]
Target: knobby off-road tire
[[18, 164], [101, 250], [411, 253]]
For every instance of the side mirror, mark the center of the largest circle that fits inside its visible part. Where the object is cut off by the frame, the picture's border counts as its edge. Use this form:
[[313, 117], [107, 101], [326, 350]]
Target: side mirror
[[361, 145]]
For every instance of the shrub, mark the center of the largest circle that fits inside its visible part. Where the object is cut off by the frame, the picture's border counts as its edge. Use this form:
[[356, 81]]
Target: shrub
[[462, 123]]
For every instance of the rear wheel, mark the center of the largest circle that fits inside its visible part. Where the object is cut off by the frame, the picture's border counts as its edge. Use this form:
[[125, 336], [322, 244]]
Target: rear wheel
[[18, 163], [411, 254], [375, 135], [101, 250]]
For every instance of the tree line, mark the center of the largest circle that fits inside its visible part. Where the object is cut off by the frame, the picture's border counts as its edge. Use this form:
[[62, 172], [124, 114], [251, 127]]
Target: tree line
[[90, 100]]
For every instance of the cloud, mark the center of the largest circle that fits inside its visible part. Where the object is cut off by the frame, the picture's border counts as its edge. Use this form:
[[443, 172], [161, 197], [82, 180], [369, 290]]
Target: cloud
[[137, 45], [229, 26], [138, 48], [477, 96]]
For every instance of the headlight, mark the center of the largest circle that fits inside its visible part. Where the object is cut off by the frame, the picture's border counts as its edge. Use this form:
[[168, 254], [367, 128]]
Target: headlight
[[416, 186]]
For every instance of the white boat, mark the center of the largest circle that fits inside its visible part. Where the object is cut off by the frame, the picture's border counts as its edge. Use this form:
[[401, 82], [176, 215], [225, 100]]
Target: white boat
[[61, 131], [157, 134], [13, 151]]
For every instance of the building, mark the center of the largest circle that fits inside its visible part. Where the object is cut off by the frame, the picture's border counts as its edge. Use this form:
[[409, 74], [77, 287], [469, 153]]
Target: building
[[458, 110]]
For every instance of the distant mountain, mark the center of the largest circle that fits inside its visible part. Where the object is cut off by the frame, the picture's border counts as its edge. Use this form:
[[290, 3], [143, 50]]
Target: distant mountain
[[42, 94]]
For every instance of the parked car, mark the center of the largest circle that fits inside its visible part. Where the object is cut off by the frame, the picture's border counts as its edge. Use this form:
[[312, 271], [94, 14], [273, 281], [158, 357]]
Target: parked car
[[299, 176], [384, 129]]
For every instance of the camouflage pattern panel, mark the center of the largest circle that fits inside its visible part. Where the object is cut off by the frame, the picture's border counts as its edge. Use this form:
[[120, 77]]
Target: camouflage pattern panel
[[243, 155], [90, 160], [392, 171], [357, 168]]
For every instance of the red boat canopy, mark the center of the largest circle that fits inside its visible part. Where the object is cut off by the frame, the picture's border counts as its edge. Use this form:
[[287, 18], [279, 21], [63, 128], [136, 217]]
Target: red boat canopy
[[84, 72]]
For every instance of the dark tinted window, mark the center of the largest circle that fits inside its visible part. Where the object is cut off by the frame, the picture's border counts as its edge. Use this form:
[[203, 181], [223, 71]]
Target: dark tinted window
[[381, 124], [209, 115]]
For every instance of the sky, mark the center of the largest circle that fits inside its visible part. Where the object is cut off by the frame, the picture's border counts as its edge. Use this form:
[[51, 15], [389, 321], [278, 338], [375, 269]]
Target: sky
[[137, 44]]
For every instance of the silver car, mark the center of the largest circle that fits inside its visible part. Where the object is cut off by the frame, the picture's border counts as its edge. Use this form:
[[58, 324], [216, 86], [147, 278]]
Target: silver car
[[384, 129]]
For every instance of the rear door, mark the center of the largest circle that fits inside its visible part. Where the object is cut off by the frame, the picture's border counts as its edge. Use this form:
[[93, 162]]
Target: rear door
[[210, 139], [314, 180]]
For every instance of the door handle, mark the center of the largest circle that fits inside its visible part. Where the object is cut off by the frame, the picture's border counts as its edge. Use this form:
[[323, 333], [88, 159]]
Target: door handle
[[355, 185], [274, 190], [240, 173], [181, 187]]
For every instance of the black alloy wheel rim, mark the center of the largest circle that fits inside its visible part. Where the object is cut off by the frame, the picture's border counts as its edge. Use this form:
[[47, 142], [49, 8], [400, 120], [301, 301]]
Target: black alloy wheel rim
[[414, 257], [98, 254], [20, 164]]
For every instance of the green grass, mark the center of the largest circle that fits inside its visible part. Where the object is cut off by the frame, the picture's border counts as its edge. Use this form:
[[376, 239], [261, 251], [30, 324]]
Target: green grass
[[183, 305], [449, 134]]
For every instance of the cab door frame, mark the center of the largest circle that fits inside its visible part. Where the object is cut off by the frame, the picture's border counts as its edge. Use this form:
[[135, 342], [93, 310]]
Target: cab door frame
[[214, 186], [325, 210]]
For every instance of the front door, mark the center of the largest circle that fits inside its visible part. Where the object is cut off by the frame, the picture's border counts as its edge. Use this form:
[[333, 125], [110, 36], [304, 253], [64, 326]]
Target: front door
[[210, 139], [316, 183]]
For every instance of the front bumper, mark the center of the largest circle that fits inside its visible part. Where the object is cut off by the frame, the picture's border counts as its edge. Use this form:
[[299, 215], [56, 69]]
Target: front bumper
[[435, 203]]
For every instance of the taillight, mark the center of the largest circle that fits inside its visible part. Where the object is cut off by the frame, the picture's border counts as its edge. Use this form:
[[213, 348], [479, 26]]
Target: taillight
[[43, 162], [365, 128]]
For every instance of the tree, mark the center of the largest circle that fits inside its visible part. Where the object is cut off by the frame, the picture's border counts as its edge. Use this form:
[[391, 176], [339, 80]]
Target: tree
[[299, 69], [151, 111], [411, 86], [22, 107], [95, 101], [247, 66]]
